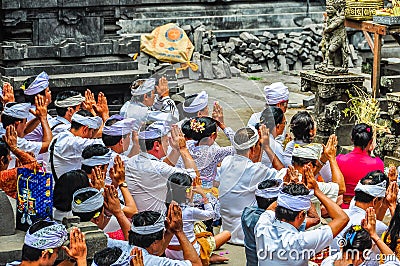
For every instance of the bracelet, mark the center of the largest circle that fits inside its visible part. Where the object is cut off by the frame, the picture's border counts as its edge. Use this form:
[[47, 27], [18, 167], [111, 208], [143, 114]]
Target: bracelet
[[320, 162], [13, 149]]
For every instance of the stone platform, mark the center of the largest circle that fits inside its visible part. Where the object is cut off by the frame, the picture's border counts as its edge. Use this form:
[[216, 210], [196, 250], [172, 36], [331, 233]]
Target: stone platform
[[331, 95]]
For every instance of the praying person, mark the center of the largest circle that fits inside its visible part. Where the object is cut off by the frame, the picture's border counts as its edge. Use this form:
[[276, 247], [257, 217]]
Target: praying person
[[65, 152], [95, 155], [16, 114], [195, 105], [180, 190], [147, 175], [43, 241], [356, 164], [357, 242], [276, 94], [266, 193], [391, 236], [239, 176], [281, 243], [117, 256]]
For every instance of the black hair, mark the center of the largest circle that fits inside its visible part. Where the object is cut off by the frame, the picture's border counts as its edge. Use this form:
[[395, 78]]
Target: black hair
[[89, 152], [372, 178], [301, 125], [393, 229], [85, 216], [176, 187], [1, 106], [108, 140], [107, 256], [7, 120], [199, 127], [264, 203], [271, 117], [75, 125], [62, 111], [31, 98], [30, 253], [361, 135], [142, 219], [66, 186], [294, 189], [4, 151], [356, 239], [303, 161], [188, 101]]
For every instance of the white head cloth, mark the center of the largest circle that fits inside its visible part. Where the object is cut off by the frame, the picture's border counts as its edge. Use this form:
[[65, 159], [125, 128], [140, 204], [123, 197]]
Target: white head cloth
[[155, 130], [378, 190], [98, 160], [295, 203], [40, 83], [146, 87], [19, 110], [52, 236], [270, 192], [198, 104], [89, 205], [248, 144], [124, 259], [311, 151], [90, 122], [71, 101], [1, 92], [122, 127], [275, 93], [150, 229]]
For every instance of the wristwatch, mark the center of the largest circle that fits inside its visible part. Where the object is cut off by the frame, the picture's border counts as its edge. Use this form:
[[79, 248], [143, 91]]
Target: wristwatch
[[123, 184]]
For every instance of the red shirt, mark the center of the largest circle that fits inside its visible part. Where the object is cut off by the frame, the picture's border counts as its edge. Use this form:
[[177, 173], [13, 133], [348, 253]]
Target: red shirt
[[356, 165]]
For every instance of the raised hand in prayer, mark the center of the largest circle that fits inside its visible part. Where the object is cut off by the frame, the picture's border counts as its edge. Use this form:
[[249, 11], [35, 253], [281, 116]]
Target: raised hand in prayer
[[111, 200], [391, 196], [392, 175], [89, 102], [177, 140], [98, 177], [331, 147], [292, 176], [369, 222], [11, 137], [77, 246], [162, 88], [174, 221], [41, 107], [117, 172], [309, 178], [264, 136], [101, 107], [137, 255], [8, 93], [218, 115]]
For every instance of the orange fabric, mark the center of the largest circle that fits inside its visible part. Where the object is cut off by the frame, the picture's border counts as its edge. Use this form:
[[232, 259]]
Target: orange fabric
[[205, 249], [8, 179]]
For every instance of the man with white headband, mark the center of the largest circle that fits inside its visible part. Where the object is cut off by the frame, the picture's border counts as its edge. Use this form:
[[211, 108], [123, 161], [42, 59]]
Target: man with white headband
[[16, 114], [239, 176], [276, 94], [33, 86], [43, 241], [281, 243], [371, 191], [65, 152], [145, 104], [309, 154], [195, 105], [95, 155], [146, 173], [266, 193]]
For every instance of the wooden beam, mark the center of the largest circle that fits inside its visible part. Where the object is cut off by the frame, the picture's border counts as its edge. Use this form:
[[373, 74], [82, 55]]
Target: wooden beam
[[369, 40], [376, 68], [368, 26]]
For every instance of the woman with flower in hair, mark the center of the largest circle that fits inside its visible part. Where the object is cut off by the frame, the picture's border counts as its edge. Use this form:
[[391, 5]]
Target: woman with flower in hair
[[358, 163]]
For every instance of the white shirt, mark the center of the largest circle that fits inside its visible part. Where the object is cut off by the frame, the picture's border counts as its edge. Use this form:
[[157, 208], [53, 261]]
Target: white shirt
[[254, 119], [68, 152], [238, 177], [148, 259], [147, 178], [37, 133], [356, 215], [276, 147], [280, 243]]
